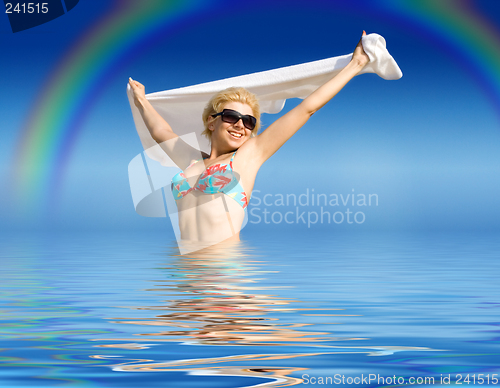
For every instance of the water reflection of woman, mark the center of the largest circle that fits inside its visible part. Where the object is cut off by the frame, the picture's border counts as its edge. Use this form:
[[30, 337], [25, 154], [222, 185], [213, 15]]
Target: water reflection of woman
[[223, 305], [219, 302]]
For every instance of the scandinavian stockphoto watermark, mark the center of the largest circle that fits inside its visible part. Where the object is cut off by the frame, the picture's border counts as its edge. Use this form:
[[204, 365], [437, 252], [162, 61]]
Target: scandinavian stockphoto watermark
[[310, 208]]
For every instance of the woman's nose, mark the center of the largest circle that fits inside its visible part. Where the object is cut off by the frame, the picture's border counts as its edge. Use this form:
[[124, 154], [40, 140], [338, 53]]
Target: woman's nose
[[239, 123]]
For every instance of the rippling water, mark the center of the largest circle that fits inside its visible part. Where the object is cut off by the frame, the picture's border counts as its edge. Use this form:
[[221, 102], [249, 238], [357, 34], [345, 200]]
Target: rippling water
[[126, 310]]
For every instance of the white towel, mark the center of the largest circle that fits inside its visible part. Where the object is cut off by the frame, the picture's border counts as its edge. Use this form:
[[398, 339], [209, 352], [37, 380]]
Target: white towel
[[182, 108]]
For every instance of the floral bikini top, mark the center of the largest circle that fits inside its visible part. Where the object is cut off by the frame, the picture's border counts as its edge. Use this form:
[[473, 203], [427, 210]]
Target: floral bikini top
[[218, 178]]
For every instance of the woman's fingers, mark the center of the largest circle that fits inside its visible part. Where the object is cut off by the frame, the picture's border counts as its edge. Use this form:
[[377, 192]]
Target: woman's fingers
[[132, 82], [136, 86], [360, 44], [138, 89], [359, 53], [361, 39]]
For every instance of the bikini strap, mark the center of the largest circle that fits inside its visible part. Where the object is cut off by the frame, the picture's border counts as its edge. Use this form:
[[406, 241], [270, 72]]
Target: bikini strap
[[231, 161], [192, 164]]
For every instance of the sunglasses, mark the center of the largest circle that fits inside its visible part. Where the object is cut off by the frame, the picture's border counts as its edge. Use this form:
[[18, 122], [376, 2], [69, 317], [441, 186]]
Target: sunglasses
[[232, 117]]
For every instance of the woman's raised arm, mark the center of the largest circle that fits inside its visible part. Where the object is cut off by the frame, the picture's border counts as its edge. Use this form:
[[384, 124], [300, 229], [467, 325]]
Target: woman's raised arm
[[159, 129], [179, 151], [269, 141]]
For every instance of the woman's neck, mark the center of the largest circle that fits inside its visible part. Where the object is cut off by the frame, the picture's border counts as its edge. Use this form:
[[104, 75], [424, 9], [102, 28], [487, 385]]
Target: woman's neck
[[216, 152]]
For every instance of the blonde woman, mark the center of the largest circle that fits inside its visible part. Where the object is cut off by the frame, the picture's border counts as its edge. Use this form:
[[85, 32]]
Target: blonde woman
[[213, 190]]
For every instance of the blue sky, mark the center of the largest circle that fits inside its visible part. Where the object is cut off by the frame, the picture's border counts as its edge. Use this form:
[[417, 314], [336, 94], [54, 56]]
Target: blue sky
[[426, 145]]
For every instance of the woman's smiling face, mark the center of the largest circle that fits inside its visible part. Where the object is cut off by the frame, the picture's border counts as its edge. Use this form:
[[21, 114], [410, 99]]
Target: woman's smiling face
[[234, 135]]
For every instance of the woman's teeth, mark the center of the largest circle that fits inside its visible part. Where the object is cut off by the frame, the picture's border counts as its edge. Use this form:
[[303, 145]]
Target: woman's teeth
[[235, 134]]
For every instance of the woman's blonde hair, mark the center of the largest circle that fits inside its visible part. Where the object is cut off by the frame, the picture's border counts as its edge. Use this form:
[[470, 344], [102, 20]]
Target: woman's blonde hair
[[217, 102]]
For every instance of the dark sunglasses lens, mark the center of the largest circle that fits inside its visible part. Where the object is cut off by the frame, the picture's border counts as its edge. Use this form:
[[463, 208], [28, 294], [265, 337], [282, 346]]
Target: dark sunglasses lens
[[249, 122], [230, 117]]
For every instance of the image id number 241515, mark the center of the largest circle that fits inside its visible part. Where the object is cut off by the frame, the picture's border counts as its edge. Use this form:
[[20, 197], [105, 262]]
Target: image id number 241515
[[27, 8]]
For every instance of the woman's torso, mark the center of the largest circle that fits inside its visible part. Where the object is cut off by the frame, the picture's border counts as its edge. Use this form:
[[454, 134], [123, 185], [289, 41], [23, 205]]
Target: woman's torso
[[212, 197]]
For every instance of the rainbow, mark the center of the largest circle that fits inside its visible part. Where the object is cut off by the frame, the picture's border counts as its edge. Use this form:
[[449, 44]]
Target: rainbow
[[460, 28], [56, 118]]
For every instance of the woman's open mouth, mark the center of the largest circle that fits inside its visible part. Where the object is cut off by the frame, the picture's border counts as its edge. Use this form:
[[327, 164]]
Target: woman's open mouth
[[236, 135]]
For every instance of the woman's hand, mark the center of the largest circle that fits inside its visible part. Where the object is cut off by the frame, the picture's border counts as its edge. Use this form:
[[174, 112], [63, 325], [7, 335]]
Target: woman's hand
[[359, 56], [139, 92]]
